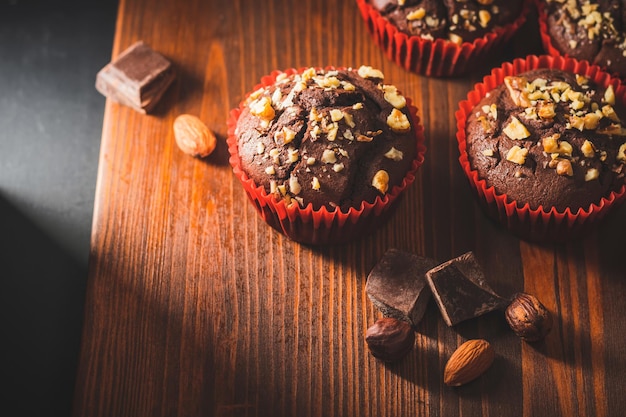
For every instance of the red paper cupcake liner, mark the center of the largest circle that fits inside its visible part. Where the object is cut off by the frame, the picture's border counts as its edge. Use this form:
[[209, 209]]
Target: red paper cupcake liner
[[439, 57], [541, 224], [320, 226]]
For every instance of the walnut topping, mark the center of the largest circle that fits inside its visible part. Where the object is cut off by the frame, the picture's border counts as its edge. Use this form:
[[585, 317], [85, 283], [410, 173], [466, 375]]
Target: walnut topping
[[347, 134], [491, 110], [260, 148], [349, 120], [363, 138], [327, 82], [308, 74], [546, 110], [485, 2], [588, 149], [329, 157], [315, 183], [592, 174], [348, 86], [336, 115], [612, 129], [621, 153], [577, 123], [310, 161], [314, 115], [564, 167], [275, 154], [416, 14], [369, 72], [517, 155], [609, 95], [262, 108], [488, 152], [517, 90], [381, 181], [357, 106], [270, 170], [294, 185], [331, 135], [454, 38], [338, 167], [285, 135], [293, 155], [484, 17], [393, 97], [516, 129], [398, 121], [394, 154], [591, 120], [609, 112]]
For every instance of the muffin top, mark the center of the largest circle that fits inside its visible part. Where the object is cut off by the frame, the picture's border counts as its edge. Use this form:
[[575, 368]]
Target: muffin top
[[549, 138], [332, 138], [454, 20], [590, 30]]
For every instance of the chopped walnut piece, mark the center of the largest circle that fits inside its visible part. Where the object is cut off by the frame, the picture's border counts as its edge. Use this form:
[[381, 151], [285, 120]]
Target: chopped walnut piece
[[363, 138], [485, 2], [394, 154], [564, 167], [310, 161], [609, 95], [336, 115], [577, 122], [454, 38], [546, 110], [517, 90], [369, 72], [381, 181], [484, 18], [294, 185], [591, 120], [592, 174], [516, 129], [338, 167], [393, 97], [315, 183], [517, 155], [329, 157], [550, 143], [588, 149], [262, 108], [416, 14], [260, 148], [621, 153], [488, 152], [270, 170], [398, 121], [609, 112]]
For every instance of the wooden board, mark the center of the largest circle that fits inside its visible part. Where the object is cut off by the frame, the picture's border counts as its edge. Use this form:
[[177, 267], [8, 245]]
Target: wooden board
[[195, 307]]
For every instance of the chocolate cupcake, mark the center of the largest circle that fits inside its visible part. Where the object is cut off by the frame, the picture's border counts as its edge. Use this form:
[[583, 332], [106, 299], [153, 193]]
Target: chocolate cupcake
[[441, 37], [584, 29], [543, 143], [316, 149]]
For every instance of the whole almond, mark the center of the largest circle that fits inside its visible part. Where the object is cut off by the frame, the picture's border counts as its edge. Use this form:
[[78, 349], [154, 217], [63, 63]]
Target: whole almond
[[192, 136], [468, 362]]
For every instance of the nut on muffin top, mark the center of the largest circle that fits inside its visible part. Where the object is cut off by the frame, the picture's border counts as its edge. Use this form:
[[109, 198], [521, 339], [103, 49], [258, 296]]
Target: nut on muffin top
[[455, 20], [549, 138], [330, 138]]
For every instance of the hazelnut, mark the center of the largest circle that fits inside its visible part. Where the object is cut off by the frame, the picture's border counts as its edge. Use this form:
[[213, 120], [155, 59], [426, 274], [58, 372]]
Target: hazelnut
[[528, 318], [390, 339]]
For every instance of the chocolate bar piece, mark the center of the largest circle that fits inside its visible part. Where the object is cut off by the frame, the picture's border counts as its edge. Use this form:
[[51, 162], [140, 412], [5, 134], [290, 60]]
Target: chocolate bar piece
[[461, 291], [397, 286], [137, 78]]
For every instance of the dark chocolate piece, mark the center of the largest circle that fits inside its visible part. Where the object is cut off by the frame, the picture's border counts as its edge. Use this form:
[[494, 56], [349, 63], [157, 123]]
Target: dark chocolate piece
[[397, 286], [461, 291], [137, 78]]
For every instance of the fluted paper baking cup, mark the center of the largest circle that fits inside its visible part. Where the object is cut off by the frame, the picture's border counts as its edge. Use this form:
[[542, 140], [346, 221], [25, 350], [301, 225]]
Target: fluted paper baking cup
[[438, 57], [543, 223], [321, 226]]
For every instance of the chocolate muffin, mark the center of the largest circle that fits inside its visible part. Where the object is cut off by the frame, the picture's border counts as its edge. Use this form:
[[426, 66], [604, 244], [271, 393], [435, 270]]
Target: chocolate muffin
[[589, 30], [327, 138], [549, 138], [457, 21]]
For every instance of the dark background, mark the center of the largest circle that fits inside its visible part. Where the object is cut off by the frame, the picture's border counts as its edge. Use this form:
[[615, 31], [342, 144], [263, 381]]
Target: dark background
[[50, 128]]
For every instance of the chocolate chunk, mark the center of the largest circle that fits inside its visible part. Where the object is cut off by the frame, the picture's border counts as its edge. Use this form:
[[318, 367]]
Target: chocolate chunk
[[137, 78], [397, 286], [461, 291]]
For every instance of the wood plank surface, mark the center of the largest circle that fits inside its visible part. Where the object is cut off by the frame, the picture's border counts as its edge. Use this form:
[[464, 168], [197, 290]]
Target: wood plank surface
[[195, 307]]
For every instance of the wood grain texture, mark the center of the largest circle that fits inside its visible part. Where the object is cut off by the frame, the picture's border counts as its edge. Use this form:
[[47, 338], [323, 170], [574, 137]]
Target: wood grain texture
[[195, 307]]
